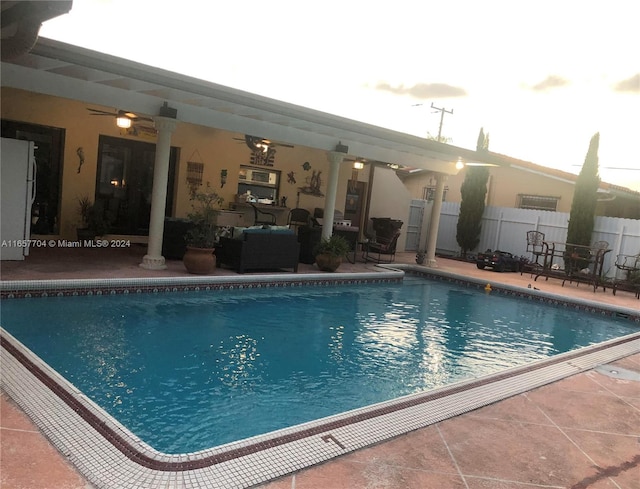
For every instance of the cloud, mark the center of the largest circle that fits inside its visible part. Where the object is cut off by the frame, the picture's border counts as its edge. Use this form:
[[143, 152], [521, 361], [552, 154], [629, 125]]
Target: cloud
[[552, 81], [629, 85], [424, 90]]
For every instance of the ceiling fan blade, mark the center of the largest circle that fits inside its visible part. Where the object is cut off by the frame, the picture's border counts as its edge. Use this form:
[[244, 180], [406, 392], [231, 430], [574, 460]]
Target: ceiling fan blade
[[101, 112], [142, 119]]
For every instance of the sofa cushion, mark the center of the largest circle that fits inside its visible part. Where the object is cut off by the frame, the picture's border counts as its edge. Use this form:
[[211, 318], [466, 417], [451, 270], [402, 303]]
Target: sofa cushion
[[257, 231]]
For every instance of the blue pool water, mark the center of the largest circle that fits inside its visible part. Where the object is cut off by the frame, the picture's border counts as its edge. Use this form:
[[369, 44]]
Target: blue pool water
[[190, 371]]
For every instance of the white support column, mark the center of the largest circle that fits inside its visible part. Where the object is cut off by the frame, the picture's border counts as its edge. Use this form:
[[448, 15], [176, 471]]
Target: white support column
[[435, 220], [154, 260], [335, 158]]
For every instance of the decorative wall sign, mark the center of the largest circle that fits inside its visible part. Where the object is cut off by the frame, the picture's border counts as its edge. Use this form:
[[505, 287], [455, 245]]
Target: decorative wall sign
[[140, 131], [313, 185], [291, 178], [263, 158], [80, 153], [195, 170]]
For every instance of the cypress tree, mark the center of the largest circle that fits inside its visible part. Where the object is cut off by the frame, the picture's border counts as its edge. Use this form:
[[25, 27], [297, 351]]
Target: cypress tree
[[583, 206], [474, 191]]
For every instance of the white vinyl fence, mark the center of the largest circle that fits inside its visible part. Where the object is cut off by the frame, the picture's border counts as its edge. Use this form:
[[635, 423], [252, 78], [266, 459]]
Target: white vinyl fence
[[505, 228]]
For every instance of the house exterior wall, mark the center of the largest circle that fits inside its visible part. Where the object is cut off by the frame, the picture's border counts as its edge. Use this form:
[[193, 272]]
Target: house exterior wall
[[392, 199], [506, 183], [216, 149]]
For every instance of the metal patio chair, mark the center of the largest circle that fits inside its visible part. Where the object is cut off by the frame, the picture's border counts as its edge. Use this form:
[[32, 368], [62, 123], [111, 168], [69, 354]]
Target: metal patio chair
[[262, 217], [298, 217], [535, 245]]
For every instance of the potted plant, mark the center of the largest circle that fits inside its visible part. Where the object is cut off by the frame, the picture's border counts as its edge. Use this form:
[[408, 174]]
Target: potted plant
[[201, 237], [93, 221], [329, 252]]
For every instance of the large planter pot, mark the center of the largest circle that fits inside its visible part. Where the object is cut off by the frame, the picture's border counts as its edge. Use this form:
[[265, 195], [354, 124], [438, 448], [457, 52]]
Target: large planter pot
[[328, 263], [199, 261]]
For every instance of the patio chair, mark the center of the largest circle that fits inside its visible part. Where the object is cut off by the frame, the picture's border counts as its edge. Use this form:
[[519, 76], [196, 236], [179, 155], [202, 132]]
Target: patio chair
[[535, 246], [382, 250], [599, 247], [630, 266], [262, 217], [298, 217]]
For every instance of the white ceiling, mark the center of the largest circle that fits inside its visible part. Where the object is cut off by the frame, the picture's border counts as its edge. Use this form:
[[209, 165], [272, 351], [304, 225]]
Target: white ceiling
[[63, 70]]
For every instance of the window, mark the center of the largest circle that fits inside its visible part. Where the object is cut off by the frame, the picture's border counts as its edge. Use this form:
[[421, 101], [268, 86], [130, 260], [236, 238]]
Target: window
[[45, 211], [261, 183], [428, 193], [538, 202]]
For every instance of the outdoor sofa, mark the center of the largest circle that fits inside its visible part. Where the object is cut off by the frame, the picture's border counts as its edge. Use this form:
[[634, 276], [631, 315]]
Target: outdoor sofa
[[259, 248]]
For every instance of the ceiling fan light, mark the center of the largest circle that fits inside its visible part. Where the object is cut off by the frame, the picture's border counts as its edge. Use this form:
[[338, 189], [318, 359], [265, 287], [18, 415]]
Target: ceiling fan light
[[123, 122]]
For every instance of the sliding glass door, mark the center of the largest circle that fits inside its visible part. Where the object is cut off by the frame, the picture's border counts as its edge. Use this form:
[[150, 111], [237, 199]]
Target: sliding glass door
[[124, 182]]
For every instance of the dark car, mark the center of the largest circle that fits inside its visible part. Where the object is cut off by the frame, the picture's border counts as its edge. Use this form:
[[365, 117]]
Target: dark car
[[500, 261]]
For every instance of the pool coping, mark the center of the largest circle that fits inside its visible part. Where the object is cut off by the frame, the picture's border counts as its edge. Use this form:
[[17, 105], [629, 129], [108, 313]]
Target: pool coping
[[15, 289], [107, 454]]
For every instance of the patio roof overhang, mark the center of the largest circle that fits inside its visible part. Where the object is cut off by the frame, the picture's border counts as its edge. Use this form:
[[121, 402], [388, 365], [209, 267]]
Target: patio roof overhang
[[72, 72]]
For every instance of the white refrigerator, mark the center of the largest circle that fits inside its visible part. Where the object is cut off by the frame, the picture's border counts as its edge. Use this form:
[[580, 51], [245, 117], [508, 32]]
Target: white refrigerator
[[17, 193]]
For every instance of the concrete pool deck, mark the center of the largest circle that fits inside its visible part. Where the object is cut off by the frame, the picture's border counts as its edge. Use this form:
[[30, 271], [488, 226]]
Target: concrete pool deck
[[578, 432]]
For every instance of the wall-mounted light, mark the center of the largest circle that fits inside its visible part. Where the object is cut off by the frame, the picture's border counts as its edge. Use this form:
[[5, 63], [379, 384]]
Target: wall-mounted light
[[357, 166], [459, 164], [123, 122]]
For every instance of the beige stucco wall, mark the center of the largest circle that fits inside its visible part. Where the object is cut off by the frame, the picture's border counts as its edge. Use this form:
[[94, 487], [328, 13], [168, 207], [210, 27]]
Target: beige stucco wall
[[393, 200], [503, 187], [217, 149]]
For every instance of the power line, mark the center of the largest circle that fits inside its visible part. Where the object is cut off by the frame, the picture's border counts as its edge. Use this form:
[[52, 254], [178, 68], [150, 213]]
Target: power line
[[442, 112]]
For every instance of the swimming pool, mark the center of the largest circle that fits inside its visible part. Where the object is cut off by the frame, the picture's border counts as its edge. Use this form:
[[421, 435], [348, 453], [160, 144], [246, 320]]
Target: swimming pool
[[186, 372]]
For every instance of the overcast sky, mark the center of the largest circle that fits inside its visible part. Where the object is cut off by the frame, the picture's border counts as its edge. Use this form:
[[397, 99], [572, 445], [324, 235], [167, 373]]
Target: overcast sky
[[541, 77]]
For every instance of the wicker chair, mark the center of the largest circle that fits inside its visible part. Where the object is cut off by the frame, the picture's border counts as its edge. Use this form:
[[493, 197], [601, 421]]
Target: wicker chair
[[382, 250]]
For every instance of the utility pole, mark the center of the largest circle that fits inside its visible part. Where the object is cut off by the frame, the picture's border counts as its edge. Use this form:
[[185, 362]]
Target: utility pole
[[442, 112]]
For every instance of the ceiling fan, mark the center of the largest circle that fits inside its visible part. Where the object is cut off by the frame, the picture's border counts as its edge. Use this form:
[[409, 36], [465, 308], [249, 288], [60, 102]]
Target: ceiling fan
[[257, 144], [123, 118]]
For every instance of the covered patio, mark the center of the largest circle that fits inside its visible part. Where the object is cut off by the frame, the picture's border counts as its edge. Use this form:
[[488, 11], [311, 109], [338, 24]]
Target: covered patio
[[177, 103]]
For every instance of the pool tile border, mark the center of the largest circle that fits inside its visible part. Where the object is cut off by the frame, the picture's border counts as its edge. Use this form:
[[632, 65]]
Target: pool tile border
[[110, 456], [97, 444], [20, 289], [582, 305]]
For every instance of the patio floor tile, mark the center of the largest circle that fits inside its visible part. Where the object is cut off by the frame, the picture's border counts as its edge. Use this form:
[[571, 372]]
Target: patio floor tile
[[34, 463], [346, 474], [517, 408], [496, 449], [423, 449], [607, 451], [587, 410]]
